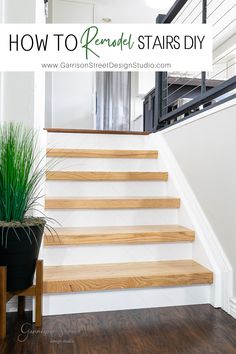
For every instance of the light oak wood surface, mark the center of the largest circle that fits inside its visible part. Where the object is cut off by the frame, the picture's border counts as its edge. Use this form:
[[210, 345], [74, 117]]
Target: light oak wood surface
[[94, 131], [99, 153], [106, 176], [63, 279], [111, 203], [119, 235]]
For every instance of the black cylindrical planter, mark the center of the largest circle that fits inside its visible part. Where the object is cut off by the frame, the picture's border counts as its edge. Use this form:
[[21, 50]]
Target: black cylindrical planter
[[19, 250]]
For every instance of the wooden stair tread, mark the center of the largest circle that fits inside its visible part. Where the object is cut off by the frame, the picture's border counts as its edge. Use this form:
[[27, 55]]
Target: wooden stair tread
[[106, 176], [62, 279], [95, 131], [103, 153], [119, 235], [111, 202]]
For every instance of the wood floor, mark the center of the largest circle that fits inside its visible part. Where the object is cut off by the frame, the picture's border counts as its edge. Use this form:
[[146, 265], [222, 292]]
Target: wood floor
[[198, 329]]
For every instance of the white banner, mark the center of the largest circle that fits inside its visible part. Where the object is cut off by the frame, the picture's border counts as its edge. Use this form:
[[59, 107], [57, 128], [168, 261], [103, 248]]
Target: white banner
[[105, 47]]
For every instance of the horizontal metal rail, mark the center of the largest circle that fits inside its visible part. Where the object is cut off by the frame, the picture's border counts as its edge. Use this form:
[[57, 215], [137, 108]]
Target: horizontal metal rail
[[158, 115], [211, 94]]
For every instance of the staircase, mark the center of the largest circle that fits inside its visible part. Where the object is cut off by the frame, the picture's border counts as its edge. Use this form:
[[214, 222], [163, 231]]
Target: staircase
[[119, 245]]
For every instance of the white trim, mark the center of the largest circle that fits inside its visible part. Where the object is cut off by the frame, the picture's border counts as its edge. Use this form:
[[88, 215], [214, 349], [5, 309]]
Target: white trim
[[202, 115], [40, 12], [94, 83], [39, 100], [223, 273], [94, 12], [2, 98], [94, 89], [233, 307], [52, 101], [2, 20]]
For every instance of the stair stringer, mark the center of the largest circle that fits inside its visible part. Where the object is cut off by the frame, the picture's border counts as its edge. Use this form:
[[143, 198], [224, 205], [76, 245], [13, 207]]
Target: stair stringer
[[206, 247]]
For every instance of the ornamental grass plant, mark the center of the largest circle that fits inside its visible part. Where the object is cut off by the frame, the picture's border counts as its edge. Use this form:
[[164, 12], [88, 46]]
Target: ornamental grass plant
[[22, 174]]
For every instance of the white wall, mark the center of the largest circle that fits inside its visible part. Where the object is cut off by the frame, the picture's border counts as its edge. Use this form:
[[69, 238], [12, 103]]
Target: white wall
[[146, 82], [72, 100], [19, 89], [222, 19], [123, 11], [232, 66], [64, 11], [70, 97], [119, 11], [219, 15], [205, 150], [224, 68], [141, 83], [18, 103], [20, 11], [1, 10]]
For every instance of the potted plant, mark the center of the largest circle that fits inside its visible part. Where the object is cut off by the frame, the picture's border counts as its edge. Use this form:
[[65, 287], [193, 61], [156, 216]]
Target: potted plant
[[21, 174]]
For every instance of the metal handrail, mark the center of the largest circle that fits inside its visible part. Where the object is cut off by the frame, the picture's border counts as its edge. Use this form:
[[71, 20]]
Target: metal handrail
[[161, 115], [208, 96]]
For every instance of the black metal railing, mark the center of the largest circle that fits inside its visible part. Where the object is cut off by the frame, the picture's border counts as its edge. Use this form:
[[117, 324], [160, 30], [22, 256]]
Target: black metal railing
[[178, 96]]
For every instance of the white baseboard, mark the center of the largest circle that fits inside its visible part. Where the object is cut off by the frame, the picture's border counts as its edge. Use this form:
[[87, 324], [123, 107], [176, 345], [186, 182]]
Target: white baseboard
[[233, 307]]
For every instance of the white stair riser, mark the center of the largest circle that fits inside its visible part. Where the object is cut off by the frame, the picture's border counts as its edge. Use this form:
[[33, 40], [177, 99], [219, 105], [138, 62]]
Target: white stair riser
[[114, 217], [54, 304], [95, 254], [99, 141], [103, 164], [105, 188]]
